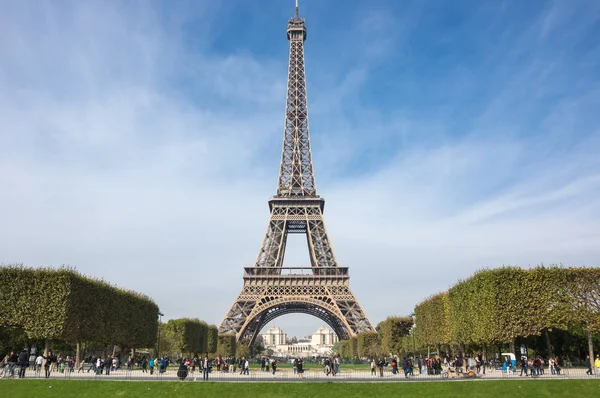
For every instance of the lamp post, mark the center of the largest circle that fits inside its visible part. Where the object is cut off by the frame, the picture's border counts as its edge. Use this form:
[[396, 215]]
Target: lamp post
[[412, 329], [160, 315]]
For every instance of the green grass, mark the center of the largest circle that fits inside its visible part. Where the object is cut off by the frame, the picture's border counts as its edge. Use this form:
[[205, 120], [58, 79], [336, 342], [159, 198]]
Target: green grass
[[462, 389]]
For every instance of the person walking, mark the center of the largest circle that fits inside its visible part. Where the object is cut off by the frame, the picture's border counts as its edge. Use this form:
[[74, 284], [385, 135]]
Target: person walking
[[241, 364], [205, 368], [524, 365], [13, 359], [597, 364], [47, 364], [588, 365], [4, 366], [300, 368], [23, 362], [92, 364], [405, 367], [247, 367], [380, 366], [38, 364], [274, 366], [373, 373]]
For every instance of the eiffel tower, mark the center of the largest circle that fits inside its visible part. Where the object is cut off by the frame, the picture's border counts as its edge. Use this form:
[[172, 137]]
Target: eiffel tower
[[270, 289]]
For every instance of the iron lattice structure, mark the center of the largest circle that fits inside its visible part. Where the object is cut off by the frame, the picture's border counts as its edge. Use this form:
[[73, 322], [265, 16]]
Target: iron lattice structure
[[271, 290]]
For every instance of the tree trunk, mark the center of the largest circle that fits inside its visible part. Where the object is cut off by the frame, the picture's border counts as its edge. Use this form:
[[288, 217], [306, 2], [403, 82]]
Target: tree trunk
[[548, 345], [590, 345], [77, 355], [511, 347], [484, 353], [46, 347]]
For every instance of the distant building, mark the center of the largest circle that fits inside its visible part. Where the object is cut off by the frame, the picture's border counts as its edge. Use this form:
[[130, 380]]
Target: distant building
[[274, 337], [319, 343]]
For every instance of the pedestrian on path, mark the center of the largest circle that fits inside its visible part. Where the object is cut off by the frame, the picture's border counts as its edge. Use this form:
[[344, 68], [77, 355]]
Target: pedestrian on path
[[588, 365], [205, 368], [48, 363], [38, 364], [380, 366], [23, 363], [300, 368]]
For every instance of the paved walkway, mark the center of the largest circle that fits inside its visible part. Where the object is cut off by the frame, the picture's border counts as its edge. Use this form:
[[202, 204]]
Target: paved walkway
[[287, 375]]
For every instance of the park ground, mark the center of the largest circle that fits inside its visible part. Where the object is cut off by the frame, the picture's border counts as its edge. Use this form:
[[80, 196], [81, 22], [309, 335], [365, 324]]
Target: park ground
[[469, 388]]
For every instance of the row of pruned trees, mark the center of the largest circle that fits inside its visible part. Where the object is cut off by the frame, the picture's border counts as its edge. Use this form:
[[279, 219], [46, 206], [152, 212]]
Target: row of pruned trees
[[392, 338], [61, 304], [503, 305], [66, 308], [188, 337], [494, 307]]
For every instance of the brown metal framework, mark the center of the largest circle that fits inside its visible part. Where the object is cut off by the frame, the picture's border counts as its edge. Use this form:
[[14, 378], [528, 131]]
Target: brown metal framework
[[271, 290]]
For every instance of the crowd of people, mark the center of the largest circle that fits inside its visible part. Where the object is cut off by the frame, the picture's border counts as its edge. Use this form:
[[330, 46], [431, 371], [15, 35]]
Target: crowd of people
[[16, 363], [57, 363]]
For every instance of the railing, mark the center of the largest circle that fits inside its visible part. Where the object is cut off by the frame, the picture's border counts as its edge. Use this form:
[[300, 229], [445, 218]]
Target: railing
[[295, 271], [285, 373]]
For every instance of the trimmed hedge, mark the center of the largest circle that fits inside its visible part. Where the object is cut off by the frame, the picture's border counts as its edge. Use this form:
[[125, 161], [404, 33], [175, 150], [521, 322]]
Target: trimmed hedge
[[212, 339], [433, 328], [499, 305], [188, 335], [503, 304], [348, 348], [584, 292], [242, 351], [392, 331], [368, 345], [62, 304], [226, 345]]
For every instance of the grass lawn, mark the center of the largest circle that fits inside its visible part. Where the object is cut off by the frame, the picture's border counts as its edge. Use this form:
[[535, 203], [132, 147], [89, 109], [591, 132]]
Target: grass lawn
[[89, 388]]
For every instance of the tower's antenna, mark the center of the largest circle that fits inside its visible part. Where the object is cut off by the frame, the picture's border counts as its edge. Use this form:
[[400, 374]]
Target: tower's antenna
[[296, 8]]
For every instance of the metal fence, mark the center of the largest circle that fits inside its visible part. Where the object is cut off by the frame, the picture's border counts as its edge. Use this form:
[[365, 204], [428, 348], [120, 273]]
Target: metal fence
[[286, 374]]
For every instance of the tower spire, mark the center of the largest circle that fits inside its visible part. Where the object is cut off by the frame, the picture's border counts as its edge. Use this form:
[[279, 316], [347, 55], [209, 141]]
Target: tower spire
[[320, 288], [296, 174]]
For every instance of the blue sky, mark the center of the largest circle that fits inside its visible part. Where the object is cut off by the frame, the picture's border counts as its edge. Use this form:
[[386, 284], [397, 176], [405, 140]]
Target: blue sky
[[140, 141]]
